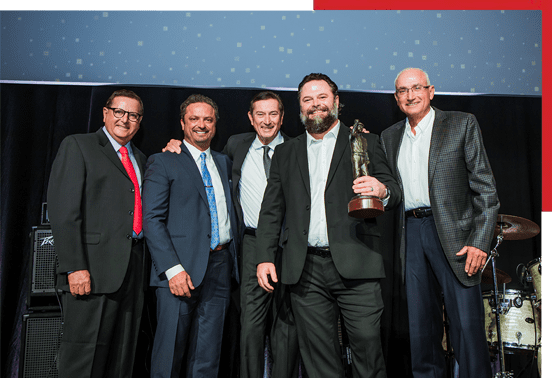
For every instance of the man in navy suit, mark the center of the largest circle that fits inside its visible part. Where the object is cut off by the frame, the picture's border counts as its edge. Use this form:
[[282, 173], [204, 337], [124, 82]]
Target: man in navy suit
[[191, 230], [95, 212], [251, 153]]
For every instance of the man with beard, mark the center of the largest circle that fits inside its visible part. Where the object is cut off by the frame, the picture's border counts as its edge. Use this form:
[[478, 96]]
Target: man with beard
[[330, 260]]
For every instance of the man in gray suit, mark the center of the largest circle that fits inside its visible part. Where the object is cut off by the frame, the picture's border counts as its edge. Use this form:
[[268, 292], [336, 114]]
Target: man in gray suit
[[449, 213]]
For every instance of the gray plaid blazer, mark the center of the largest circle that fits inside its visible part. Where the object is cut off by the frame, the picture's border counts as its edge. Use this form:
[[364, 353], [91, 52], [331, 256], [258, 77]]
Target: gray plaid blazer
[[462, 188]]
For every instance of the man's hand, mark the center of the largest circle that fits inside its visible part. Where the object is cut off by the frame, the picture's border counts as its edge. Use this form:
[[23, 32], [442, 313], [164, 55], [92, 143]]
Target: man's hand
[[79, 282], [369, 186], [475, 259], [181, 285], [363, 130], [265, 273], [173, 146]]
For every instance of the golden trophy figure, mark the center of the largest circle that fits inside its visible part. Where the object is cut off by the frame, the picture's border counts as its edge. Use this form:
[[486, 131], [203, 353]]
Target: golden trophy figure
[[362, 206]]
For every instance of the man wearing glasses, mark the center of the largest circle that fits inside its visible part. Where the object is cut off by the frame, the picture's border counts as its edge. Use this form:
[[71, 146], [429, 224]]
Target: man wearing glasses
[[450, 206], [95, 212]]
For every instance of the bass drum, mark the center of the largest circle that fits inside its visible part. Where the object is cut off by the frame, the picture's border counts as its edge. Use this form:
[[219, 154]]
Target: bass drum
[[534, 276], [518, 324]]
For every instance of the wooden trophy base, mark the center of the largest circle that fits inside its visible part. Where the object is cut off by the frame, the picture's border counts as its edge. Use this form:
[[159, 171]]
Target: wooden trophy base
[[365, 207]]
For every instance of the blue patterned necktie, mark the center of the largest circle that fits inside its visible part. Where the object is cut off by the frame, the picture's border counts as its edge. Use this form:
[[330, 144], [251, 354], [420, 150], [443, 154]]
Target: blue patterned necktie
[[212, 202]]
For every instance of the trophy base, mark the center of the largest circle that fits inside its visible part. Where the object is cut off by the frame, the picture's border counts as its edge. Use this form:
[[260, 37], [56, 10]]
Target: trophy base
[[365, 207]]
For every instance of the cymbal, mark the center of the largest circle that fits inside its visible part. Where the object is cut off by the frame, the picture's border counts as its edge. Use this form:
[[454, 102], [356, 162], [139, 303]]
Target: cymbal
[[501, 276], [515, 228]]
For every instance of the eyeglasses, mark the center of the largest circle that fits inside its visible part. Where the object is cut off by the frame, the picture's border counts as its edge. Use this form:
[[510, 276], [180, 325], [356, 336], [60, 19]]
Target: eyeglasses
[[415, 89], [120, 113]]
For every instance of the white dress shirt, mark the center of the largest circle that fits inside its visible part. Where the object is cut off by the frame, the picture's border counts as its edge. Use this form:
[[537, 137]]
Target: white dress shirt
[[222, 210], [319, 152], [253, 180], [413, 162]]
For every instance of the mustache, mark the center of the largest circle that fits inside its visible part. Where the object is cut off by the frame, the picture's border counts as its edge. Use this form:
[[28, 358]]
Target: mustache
[[314, 108]]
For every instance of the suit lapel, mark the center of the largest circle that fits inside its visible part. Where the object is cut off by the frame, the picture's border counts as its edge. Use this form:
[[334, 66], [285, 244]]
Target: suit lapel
[[239, 157], [223, 173], [303, 160], [190, 166], [340, 147], [110, 153], [437, 136]]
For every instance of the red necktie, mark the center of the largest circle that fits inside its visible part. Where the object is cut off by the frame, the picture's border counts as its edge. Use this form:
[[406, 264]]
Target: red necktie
[[137, 222]]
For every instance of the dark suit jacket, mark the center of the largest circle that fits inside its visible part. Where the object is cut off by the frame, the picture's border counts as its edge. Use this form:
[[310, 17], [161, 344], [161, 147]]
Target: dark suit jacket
[[90, 204], [237, 148], [353, 242], [177, 221], [461, 186]]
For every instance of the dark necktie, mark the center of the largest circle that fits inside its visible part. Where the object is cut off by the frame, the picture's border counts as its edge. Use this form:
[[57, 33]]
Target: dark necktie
[[266, 160], [137, 221], [212, 202]]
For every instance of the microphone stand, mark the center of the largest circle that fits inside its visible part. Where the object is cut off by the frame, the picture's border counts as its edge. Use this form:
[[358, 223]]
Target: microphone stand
[[498, 308]]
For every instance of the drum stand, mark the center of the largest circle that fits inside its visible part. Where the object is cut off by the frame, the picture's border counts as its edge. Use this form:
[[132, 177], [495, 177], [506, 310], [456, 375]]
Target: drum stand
[[498, 308]]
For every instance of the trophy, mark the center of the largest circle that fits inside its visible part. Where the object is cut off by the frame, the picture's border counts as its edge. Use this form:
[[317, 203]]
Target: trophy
[[362, 206]]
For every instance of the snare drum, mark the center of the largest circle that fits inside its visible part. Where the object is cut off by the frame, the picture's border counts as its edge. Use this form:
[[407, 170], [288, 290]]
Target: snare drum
[[517, 324], [534, 276]]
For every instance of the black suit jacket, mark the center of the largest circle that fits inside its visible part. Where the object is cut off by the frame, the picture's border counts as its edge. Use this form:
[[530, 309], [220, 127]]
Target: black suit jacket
[[353, 242], [90, 204], [237, 148], [462, 188]]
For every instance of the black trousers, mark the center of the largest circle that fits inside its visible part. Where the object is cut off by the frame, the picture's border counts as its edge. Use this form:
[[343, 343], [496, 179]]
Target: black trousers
[[263, 313], [317, 299], [429, 279], [100, 331]]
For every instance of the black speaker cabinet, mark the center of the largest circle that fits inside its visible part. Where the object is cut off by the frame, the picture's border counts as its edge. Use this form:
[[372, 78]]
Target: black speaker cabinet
[[43, 269], [40, 339]]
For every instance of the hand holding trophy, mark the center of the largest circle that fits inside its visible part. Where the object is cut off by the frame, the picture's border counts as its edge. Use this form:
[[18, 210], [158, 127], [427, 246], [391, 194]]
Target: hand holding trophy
[[362, 206]]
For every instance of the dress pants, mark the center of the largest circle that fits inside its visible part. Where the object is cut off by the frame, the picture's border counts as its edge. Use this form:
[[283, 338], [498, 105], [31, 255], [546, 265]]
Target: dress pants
[[317, 299], [429, 280], [189, 330], [262, 312], [100, 331]]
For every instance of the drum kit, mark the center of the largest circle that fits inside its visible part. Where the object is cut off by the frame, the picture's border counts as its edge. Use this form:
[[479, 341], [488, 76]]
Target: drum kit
[[512, 317]]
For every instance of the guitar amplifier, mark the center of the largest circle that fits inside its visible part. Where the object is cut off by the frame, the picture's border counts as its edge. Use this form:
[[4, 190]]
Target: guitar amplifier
[[40, 340]]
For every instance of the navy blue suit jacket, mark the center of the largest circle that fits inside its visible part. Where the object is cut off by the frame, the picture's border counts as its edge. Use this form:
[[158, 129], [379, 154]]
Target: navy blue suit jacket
[[177, 222]]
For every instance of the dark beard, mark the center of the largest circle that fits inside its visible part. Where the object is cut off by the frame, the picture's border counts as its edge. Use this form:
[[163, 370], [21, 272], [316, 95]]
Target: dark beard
[[319, 125]]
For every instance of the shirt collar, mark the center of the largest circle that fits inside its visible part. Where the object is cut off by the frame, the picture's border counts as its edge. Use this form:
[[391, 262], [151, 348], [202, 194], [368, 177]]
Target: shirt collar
[[116, 144], [331, 134], [276, 141], [425, 124], [196, 153]]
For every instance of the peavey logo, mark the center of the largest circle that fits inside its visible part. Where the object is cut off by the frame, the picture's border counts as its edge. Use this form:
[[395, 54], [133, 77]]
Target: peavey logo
[[48, 240]]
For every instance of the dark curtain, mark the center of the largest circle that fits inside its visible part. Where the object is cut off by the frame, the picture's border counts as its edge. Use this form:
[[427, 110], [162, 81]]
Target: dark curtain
[[35, 119]]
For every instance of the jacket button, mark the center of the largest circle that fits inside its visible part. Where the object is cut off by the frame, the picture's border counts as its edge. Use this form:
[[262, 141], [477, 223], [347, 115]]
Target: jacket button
[[308, 207], [131, 212], [132, 190], [129, 236], [304, 232], [209, 236]]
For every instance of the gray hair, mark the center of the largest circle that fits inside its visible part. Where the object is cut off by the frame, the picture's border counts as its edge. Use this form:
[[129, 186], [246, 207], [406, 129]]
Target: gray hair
[[412, 68]]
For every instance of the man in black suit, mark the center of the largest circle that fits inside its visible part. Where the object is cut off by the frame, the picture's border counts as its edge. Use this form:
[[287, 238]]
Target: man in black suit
[[192, 234], [446, 226], [251, 154], [96, 215], [330, 259]]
